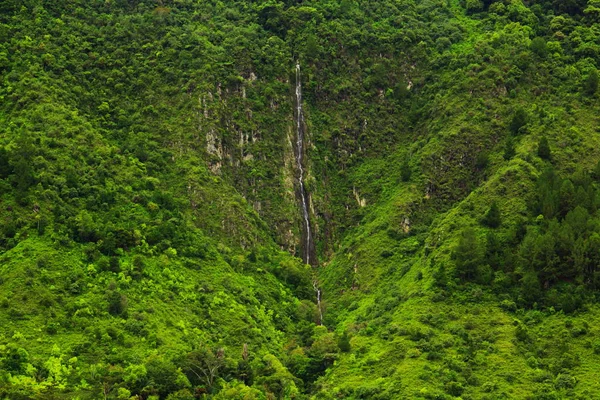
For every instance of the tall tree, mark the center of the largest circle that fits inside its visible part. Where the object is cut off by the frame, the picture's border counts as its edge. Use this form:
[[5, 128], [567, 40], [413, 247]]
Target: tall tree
[[467, 255]]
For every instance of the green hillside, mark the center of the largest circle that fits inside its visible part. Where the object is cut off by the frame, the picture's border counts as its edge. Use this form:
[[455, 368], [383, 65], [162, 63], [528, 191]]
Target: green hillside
[[157, 157]]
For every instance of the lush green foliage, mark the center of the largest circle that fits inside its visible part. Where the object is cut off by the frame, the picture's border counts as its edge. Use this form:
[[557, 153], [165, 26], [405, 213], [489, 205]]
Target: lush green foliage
[[147, 192]]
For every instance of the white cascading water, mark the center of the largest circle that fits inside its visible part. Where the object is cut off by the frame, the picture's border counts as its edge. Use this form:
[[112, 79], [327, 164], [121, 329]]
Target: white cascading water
[[299, 159], [308, 244], [318, 292]]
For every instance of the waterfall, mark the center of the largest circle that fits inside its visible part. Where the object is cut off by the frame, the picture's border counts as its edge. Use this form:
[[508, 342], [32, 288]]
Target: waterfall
[[318, 293], [308, 247]]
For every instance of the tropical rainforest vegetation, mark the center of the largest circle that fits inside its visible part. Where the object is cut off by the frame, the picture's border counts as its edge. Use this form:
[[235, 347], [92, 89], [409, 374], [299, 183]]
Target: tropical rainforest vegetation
[[151, 237]]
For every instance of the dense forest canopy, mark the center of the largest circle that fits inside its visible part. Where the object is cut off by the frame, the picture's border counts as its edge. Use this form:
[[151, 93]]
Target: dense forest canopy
[[151, 234]]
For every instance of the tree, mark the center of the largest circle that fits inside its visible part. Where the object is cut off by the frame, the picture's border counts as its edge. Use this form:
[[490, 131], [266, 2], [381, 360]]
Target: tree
[[466, 255], [244, 371], [5, 168], [548, 198], [135, 376], [571, 7], [85, 227], [344, 342], [276, 378], [22, 166], [164, 377], [204, 365], [440, 278], [272, 18], [591, 83], [482, 160], [105, 378], [473, 6], [544, 149], [579, 220], [593, 9], [492, 217], [405, 171], [530, 283], [312, 48], [509, 149], [117, 303], [538, 253], [591, 272], [519, 120], [322, 353], [238, 391], [346, 6], [539, 47], [596, 172], [566, 196], [580, 260], [493, 250]]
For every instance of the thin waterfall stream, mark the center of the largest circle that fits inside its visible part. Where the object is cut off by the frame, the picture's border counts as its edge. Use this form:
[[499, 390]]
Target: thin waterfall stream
[[308, 247]]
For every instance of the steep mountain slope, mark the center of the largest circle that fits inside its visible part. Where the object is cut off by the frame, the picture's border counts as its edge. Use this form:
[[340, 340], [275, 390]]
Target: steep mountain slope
[[471, 305], [128, 267], [151, 193]]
